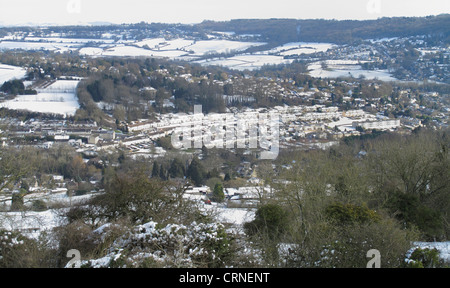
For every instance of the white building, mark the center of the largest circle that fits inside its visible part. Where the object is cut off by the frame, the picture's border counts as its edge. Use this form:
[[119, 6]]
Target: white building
[[385, 124]]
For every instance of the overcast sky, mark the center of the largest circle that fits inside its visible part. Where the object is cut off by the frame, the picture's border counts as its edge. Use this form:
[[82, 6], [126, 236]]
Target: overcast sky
[[18, 12]]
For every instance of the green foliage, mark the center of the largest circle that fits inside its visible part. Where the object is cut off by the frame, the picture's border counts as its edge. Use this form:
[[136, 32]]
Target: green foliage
[[16, 87], [271, 220], [134, 196], [13, 87], [176, 169], [155, 170], [94, 90], [17, 202], [410, 210], [347, 246], [196, 172], [39, 205], [165, 142], [344, 214], [410, 178], [424, 258], [218, 194]]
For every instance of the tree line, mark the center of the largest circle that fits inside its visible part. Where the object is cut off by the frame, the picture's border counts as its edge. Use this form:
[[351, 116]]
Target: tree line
[[281, 31]]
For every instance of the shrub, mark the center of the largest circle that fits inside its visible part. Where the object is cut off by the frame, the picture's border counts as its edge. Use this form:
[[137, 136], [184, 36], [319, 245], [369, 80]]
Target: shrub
[[423, 258], [39, 205], [153, 245], [350, 214], [409, 209], [18, 251], [348, 246], [270, 220]]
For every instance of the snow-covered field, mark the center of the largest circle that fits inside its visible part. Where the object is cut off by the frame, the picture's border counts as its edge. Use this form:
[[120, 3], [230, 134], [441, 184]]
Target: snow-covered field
[[67, 40], [58, 98], [132, 51], [163, 44], [220, 46], [235, 216], [31, 224], [35, 46], [8, 72], [176, 48], [91, 51], [247, 61], [273, 56], [299, 48], [190, 50], [346, 68], [56, 44]]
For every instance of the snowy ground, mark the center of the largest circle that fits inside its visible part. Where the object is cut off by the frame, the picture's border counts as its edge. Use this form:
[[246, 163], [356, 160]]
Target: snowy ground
[[34, 223], [132, 51], [36, 46], [220, 46], [8, 72], [273, 56], [235, 216], [31, 224], [299, 48], [173, 49], [247, 61], [190, 50], [346, 68], [442, 247], [58, 98]]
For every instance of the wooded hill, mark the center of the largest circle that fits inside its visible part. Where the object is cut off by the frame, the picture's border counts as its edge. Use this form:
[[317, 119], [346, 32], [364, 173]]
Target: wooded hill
[[340, 32], [273, 31]]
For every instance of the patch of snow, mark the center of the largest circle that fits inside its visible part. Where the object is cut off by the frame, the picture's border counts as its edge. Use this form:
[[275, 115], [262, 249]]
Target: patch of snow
[[220, 46], [442, 247], [346, 68], [8, 72], [58, 98]]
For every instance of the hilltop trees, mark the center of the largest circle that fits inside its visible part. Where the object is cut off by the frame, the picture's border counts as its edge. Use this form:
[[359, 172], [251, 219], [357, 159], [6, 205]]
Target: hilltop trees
[[280, 31]]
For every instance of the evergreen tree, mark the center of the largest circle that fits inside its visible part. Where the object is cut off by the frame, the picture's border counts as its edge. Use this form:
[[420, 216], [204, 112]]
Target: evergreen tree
[[13, 87], [176, 169], [218, 194], [162, 172], [196, 172], [155, 170]]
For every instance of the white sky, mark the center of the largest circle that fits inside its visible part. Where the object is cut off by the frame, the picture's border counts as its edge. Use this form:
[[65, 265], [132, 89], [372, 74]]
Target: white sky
[[19, 12]]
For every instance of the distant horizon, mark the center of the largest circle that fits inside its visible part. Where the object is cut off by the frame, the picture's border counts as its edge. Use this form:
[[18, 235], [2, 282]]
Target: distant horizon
[[116, 12], [105, 23]]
